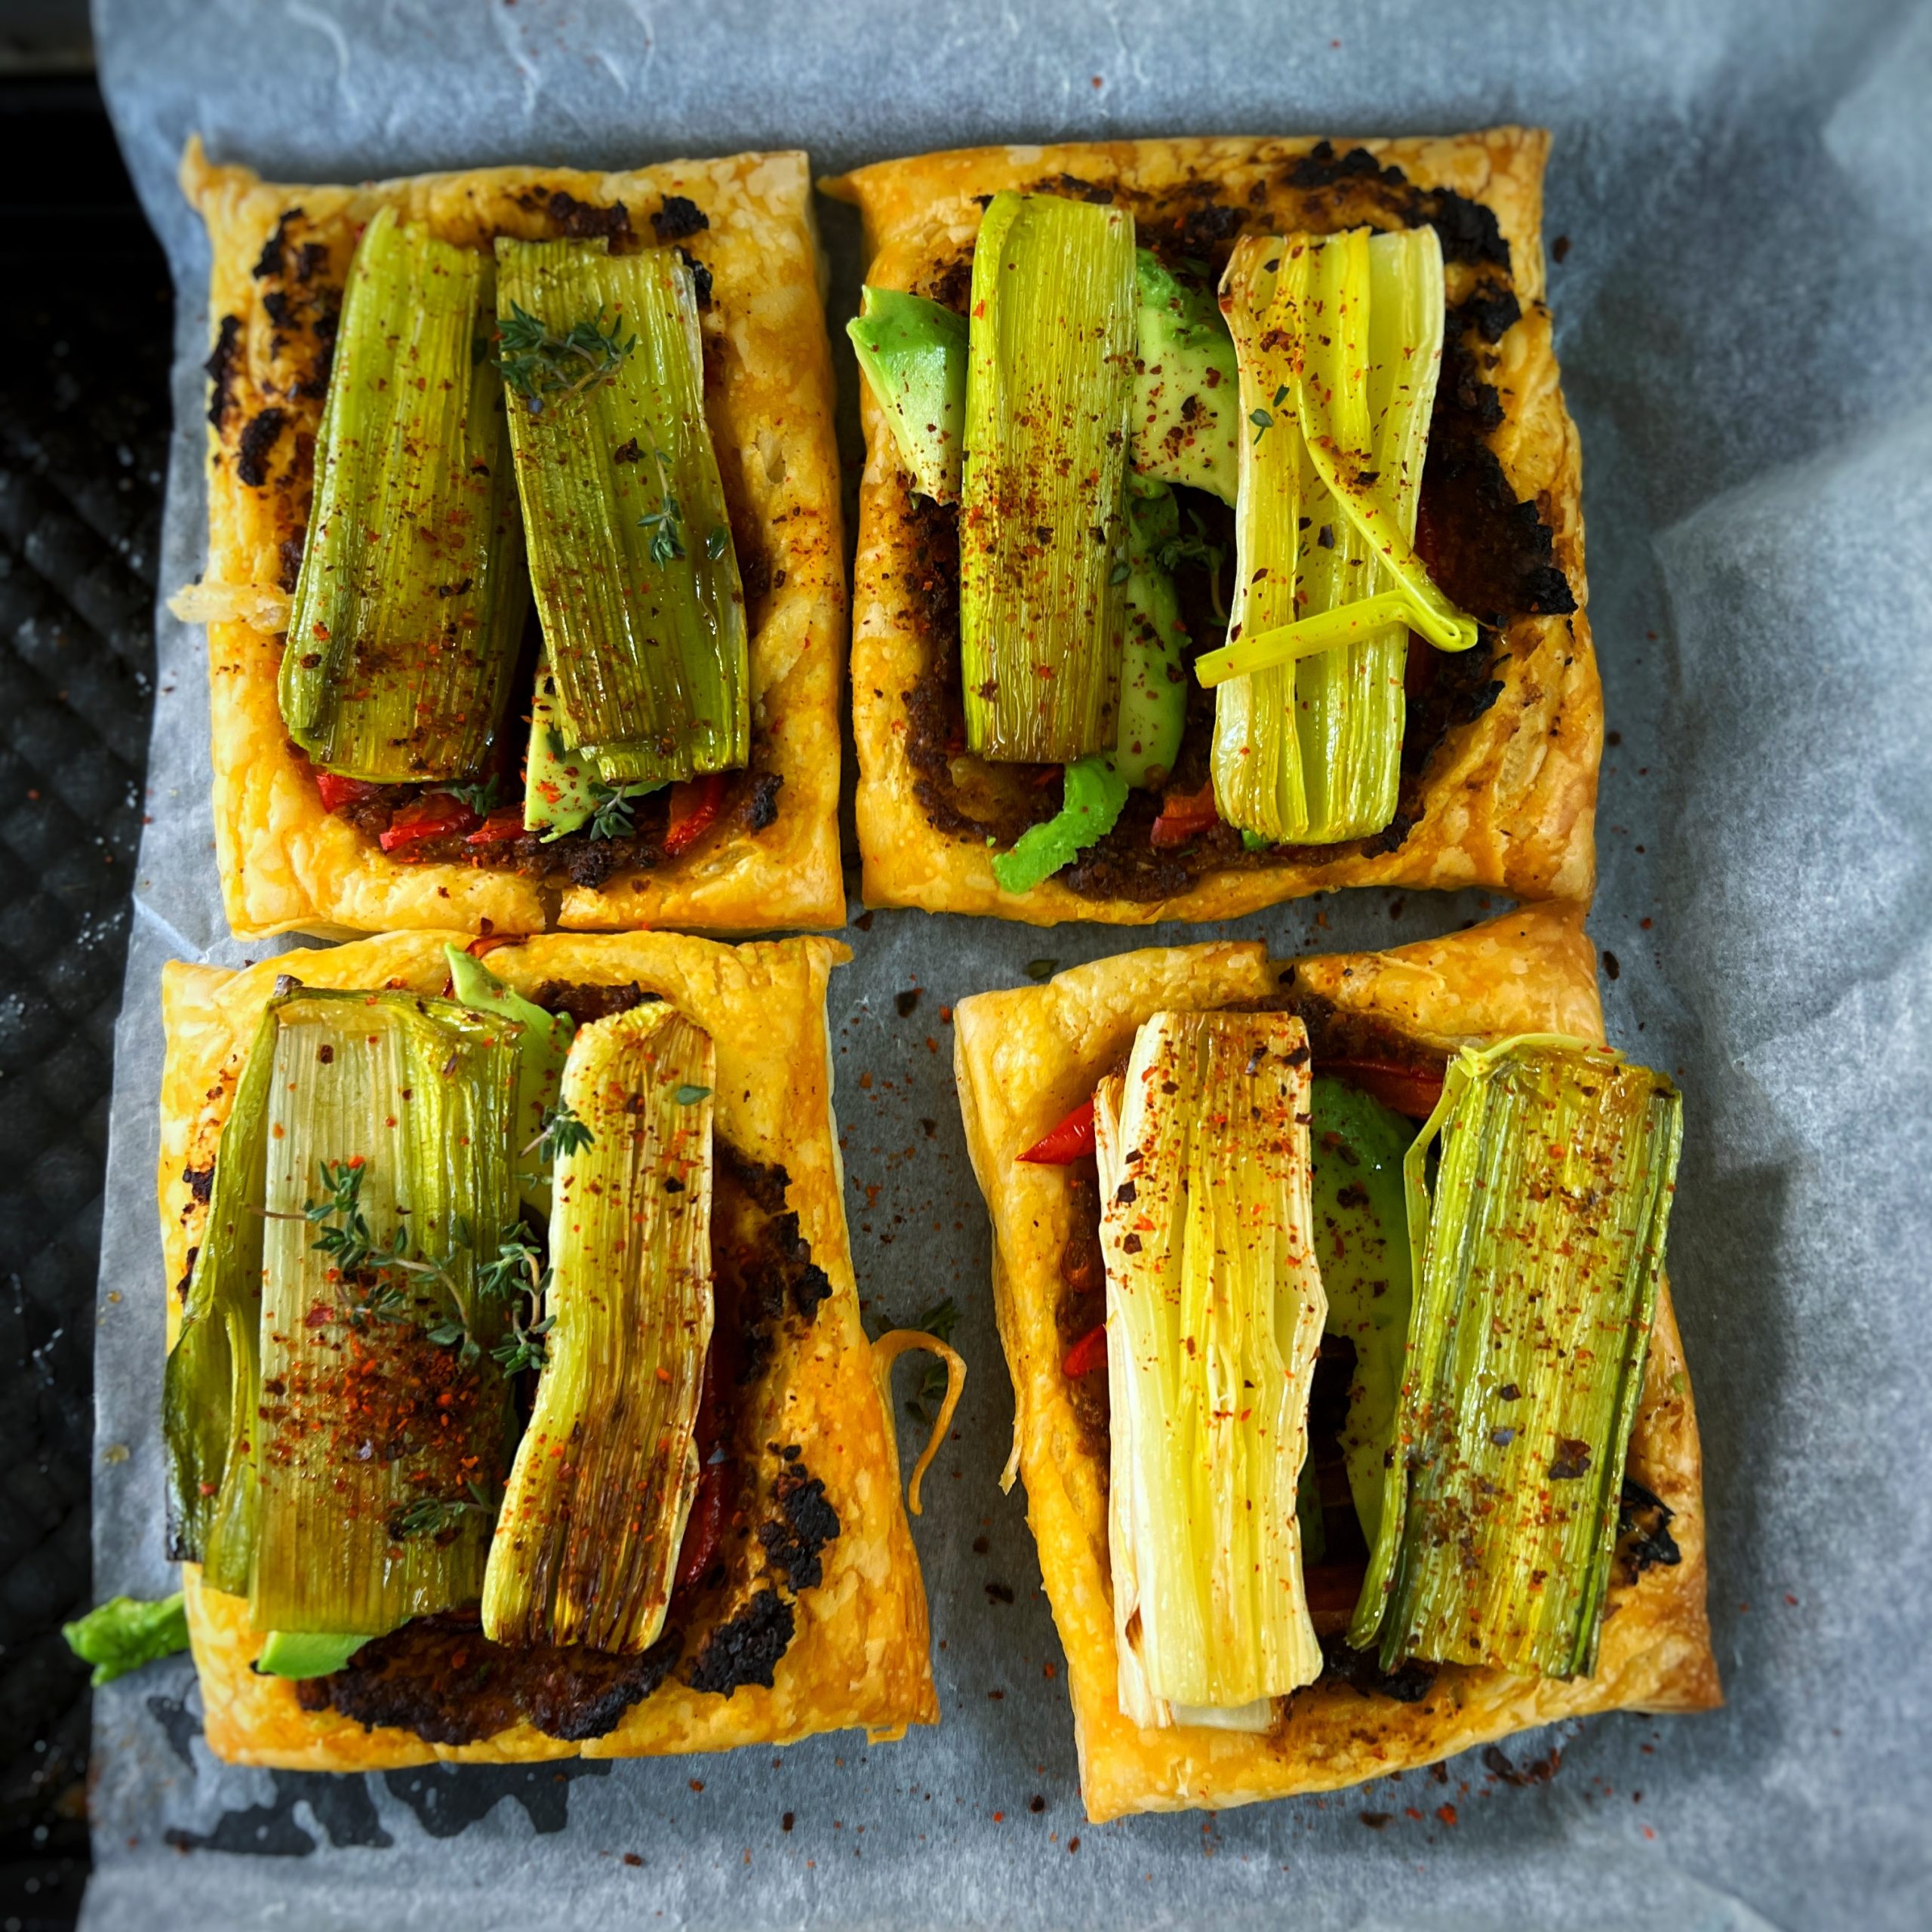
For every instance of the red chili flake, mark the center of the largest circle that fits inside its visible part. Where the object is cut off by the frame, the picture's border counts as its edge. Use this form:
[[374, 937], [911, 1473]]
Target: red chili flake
[[1447, 1813], [1073, 1844], [632, 1858]]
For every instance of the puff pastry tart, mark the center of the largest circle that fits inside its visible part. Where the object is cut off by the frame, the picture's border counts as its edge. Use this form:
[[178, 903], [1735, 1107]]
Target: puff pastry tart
[[1220, 538], [525, 584], [517, 1405], [1348, 1444]]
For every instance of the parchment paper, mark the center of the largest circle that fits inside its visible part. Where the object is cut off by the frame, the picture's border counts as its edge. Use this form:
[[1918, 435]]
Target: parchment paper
[[1742, 310]]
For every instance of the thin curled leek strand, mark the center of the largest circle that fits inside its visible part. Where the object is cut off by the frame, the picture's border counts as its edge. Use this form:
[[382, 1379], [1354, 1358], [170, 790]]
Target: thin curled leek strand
[[886, 1351]]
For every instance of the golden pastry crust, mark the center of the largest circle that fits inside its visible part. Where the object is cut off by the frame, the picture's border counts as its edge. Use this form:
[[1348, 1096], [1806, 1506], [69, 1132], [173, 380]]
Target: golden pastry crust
[[288, 866], [1022, 1059], [1509, 801], [860, 1653]]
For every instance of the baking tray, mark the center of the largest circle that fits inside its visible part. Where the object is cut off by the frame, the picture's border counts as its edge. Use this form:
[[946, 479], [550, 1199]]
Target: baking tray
[[1739, 200]]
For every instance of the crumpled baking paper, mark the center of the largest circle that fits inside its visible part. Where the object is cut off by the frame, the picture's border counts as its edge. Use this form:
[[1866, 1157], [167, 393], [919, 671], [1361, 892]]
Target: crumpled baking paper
[[1745, 189]]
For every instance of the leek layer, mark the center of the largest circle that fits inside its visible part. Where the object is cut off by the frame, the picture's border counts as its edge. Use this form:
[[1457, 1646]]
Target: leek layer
[[211, 1387], [1309, 751], [1214, 1314], [586, 1546], [631, 557], [403, 633], [543, 1042], [1042, 553], [1537, 1252], [384, 1417]]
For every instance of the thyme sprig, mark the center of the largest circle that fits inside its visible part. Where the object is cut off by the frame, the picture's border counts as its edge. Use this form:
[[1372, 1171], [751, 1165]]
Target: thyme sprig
[[666, 522], [517, 1276], [437, 1515], [563, 1132], [482, 798], [612, 817], [546, 369]]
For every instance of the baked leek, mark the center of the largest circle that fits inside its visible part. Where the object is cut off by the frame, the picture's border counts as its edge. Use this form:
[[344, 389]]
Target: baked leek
[[403, 635], [384, 1414], [1537, 1247], [586, 1546], [1338, 341], [1042, 551], [1214, 1315], [631, 557], [542, 1041], [211, 1386]]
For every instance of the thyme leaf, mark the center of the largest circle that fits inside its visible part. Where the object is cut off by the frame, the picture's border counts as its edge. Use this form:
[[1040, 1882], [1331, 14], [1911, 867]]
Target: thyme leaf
[[612, 818], [480, 799], [546, 370], [563, 1132]]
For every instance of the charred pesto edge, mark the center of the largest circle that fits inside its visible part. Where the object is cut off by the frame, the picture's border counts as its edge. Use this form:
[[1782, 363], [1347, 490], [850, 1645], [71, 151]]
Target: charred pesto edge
[[1509, 571], [1644, 1520], [299, 285], [440, 1678]]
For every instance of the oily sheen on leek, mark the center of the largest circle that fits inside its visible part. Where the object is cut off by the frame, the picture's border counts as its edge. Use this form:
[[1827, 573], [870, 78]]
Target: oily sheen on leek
[[1042, 548], [586, 1545], [212, 1384], [1338, 340], [403, 635], [383, 1433], [1214, 1315], [631, 558], [1537, 1248]]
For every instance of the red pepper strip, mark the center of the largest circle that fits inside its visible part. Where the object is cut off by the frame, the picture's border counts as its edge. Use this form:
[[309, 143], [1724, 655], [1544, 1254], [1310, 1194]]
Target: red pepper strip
[[1401, 1087], [695, 807], [432, 817], [1087, 1353], [504, 824], [1185, 816], [711, 1508], [1067, 1142], [337, 792], [1333, 1586], [716, 1487]]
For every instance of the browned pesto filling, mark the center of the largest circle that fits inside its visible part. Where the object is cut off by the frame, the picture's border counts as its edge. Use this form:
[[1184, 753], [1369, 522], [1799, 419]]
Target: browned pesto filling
[[299, 281], [1492, 554], [1339, 1042], [753, 1543]]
